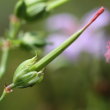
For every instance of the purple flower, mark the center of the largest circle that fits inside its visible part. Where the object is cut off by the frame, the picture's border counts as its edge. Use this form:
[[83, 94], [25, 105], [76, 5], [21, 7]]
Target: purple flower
[[92, 41]]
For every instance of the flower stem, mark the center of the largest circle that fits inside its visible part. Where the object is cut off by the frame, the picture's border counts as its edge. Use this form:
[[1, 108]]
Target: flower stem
[[14, 28], [13, 31], [3, 95], [4, 58]]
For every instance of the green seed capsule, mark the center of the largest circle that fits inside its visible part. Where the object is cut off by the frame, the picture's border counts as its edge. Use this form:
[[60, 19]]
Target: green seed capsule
[[28, 79], [23, 68], [23, 77]]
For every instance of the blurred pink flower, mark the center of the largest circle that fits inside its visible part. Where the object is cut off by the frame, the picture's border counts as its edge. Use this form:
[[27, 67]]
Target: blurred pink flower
[[107, 54], [62, 22], [92, 40]]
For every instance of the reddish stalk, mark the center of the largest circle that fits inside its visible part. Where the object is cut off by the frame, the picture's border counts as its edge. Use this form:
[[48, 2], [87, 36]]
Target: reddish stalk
[[98, 13]]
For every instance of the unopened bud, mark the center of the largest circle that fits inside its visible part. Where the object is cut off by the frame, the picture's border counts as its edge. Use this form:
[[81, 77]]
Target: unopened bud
[[24, 77], [32, 39], [30, 10]]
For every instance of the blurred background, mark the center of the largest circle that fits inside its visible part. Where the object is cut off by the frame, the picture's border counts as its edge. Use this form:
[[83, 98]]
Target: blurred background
[[79, 79]]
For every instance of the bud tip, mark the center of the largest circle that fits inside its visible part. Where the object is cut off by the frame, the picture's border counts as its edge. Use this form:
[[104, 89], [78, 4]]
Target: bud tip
[[98, 13]]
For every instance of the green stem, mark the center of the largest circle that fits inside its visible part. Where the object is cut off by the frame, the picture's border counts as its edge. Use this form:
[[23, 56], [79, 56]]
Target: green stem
[[3, 95], [13, 31], [14, 28], [4, 58]]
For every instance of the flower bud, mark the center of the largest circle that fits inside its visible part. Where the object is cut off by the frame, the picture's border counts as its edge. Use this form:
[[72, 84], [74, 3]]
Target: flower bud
[[32, 39], [30, 10], [23, 77], [28, 79]]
